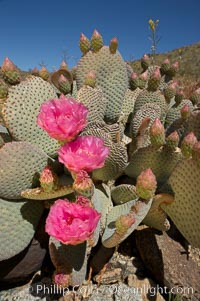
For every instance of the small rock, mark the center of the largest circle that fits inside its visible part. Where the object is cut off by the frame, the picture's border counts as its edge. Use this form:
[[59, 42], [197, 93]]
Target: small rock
[[109, 276]]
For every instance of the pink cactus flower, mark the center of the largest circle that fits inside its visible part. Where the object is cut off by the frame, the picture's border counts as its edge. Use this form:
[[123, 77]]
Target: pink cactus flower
[[62, 118], [71, 223], [85, 153]]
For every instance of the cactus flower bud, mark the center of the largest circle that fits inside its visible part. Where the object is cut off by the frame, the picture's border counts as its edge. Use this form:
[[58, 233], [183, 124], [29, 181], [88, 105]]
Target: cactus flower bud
[[113, 45], [185, 112], [64, 84], [43, 73], [63, 65], [154, 80], [84, 44], [173, 69], [48, 180], [35, 71], [146, 184], [157, 133], [145, 62], [134, 81], [165, 66], [96, 41], [83, 201], [187, 144], [172, 140], [123, 223], [170, 91], [83, 184], [90, 79], [8, 65], [196, 153], [62, 280], [195, 96], [179, 97], [143, 78]]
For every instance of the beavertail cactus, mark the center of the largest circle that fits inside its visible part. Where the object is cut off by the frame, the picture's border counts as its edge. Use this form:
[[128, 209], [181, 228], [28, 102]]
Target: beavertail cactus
[[103, 149]]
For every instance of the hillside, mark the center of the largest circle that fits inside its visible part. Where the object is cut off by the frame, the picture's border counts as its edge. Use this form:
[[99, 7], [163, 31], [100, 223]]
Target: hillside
[[189, 57]]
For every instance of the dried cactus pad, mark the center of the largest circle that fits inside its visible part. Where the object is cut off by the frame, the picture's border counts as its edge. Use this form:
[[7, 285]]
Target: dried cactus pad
[[18, 222], [19, 162], [184, 211], [111, 77], [21, 109]]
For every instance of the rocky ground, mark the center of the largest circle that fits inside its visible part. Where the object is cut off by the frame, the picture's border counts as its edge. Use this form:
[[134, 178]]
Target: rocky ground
[[146, 267]]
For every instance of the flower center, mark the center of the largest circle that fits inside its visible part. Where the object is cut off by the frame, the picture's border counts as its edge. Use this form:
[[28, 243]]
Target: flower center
[[69, 220]]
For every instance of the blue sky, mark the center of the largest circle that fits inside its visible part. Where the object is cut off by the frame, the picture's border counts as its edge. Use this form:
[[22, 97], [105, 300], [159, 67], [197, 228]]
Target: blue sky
[[32, 32]]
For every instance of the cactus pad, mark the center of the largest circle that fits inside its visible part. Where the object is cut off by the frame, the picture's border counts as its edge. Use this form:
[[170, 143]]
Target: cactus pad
[[69, 260], [156, 216], [19, 163], [18, 222], [138, 207], [184, 211], [21, 109], [123, 193], [151, 97], [114, 164], [161, 162], [111, 77], [94, 100]]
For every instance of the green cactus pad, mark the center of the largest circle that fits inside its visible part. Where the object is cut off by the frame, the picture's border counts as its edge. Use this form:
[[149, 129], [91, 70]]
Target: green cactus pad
[[93, 99], [151, 97], [102, 203], [129, 71], [161, 162], [18, 222], [21, 109], [123, 193], [193, 124], [139, 208], [113, 131], [111, 77], [174, 113], [19, 163], [129, 102], [156, 217], [97, 133], [69, 260], [150, 110], [74, 91], [184, 211], [114, 164]]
